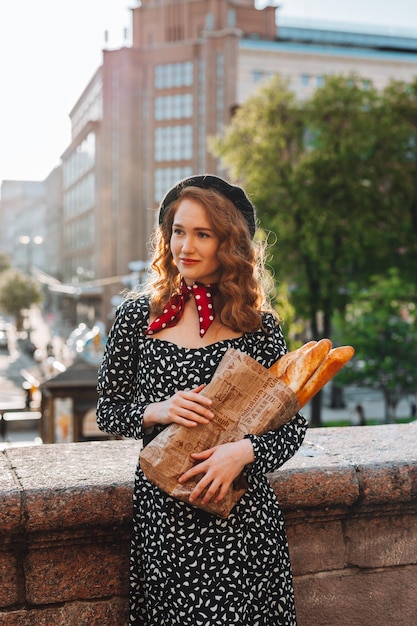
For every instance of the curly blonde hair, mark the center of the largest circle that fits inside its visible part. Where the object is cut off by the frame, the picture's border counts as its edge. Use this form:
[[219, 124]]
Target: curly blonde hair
[[243, 282]]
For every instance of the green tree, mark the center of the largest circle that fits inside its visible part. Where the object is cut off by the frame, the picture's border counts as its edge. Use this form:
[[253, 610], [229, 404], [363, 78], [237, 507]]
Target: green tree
[[381, 322], [316, 172], [17, 293], [289, 320], [399, 145], [4, 262]]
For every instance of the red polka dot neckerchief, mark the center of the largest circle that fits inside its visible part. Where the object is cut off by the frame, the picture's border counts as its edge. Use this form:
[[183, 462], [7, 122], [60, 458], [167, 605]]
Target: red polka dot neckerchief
[[174, 310]]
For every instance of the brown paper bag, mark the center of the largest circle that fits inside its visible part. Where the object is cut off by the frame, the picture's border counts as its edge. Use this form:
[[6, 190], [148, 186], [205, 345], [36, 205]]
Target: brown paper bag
[[247, 399]]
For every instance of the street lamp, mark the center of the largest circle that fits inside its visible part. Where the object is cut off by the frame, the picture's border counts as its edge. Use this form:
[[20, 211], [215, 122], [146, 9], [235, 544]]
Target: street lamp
[[28, 241]]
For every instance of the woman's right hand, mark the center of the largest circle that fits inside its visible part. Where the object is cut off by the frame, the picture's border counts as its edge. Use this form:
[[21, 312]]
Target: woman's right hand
[[187, 408]]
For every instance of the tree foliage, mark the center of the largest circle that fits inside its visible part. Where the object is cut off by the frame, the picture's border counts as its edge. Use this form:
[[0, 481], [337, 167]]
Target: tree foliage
[[381, 321], [399, 187], [17, 292], [4, 262], [322, 176]]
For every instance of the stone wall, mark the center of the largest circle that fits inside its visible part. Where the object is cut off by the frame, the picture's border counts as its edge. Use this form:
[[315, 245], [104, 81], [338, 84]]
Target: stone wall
[[349, 498]]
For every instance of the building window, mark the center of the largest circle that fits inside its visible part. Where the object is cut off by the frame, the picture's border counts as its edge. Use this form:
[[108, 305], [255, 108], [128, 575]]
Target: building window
[[319, 80], [174, 107], [171, 75], [209, 22], [79, 233], [90, 107], [166, 177], [231, 18], [80, 161], [305, 80], [80, 197], [174, 143]]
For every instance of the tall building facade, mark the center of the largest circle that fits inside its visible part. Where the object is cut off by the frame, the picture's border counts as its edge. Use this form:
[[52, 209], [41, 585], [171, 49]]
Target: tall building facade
[[142, 124], [23, 235], [143, 121]]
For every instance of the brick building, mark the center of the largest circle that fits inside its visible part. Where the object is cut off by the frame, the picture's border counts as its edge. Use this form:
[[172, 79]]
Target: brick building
[[143, 120]]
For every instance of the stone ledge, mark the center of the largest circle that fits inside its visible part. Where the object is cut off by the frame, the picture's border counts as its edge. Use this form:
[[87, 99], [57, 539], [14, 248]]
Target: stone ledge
[[342, 467], [59, 486], [349, 498]]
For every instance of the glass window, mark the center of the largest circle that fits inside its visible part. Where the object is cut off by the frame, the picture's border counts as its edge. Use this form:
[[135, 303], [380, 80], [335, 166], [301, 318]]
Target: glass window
[[80, 161], [173, 75], [159, 112], [209, 21], [173, 143], [159, 76], [173, 107], [177, 78], [188, 105], [166, 177], [188, 73]]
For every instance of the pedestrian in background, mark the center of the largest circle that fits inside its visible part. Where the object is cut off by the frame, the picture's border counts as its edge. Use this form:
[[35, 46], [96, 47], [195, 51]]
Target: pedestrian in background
[[358, 417], [206, 294]]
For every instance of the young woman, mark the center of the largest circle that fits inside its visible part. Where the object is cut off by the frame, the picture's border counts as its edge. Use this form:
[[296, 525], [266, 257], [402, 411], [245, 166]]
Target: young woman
[[189, 567]]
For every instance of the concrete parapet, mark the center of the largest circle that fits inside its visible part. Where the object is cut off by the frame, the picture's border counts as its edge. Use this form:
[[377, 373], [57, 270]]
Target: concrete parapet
[[350, 502], [349, 498]]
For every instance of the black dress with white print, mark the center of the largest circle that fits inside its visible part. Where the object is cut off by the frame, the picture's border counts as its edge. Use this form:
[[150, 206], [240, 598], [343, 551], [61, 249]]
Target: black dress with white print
[[189, 567]]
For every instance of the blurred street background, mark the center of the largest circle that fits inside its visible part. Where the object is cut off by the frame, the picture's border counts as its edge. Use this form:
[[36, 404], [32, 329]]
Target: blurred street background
[[311, 107], [20, 369], [23, 367]]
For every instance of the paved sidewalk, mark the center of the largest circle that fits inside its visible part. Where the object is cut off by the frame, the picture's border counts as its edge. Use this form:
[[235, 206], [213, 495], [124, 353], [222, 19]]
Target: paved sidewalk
[[17, 365]]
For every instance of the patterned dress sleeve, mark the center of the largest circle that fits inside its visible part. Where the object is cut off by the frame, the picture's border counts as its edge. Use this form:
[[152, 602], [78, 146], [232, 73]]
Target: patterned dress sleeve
[[275, 447], [119, 411]]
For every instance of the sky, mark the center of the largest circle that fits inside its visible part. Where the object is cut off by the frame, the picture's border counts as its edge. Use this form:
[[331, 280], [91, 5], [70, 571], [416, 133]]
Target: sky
[[50, 49]]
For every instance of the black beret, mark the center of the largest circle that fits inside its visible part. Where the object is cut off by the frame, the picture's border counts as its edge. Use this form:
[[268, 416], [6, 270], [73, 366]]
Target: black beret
[[232, 192]]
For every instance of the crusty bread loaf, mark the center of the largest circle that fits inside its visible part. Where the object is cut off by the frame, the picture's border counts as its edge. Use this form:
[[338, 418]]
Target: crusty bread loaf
[[279, 367], [333, 363], [303, 367]]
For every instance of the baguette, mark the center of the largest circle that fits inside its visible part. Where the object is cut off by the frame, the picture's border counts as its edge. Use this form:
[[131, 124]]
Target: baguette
[[279, 367], [332, 364], [302, 369]]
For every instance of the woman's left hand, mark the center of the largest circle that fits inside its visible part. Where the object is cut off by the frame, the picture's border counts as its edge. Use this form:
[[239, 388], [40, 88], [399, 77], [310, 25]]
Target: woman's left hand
[[219, 465]]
